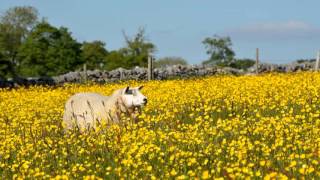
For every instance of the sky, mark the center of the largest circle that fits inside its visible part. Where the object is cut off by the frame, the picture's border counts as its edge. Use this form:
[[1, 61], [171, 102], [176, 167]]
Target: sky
[[283, 30]]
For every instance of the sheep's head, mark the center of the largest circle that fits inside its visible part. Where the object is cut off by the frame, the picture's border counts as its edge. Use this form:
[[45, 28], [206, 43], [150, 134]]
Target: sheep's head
[[132, 97]]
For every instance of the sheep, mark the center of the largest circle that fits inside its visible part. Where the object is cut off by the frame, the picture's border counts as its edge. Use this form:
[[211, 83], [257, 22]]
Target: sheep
[[87, 110]]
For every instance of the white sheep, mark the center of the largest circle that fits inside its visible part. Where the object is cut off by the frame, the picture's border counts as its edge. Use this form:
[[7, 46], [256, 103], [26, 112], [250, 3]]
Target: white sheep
[[87, 110]]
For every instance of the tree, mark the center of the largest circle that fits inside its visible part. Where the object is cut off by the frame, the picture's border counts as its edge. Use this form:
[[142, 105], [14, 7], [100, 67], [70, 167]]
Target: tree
[[138, 49], [93, 54], [135, 53], [219, 50], [169, 61], [242, 63], [49, 51], [15, 25], [6, 68], [116, 59]]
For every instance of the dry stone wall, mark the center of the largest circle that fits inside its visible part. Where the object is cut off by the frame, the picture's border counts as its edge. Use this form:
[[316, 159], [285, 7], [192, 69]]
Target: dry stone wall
[[138, 73]]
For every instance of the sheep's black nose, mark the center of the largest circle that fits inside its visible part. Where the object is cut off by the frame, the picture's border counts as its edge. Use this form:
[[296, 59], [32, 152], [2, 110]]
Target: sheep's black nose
[[145, 100]]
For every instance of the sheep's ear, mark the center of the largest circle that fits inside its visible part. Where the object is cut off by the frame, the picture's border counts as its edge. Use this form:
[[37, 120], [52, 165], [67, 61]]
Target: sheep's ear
[[140, 87], [126, 90]]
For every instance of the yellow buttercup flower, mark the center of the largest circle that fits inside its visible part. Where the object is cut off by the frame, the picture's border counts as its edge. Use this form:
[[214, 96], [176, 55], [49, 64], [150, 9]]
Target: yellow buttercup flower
[[205, 175]]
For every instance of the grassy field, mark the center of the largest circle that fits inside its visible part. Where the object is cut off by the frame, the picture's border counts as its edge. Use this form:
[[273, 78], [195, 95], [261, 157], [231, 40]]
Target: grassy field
[[265, 126]]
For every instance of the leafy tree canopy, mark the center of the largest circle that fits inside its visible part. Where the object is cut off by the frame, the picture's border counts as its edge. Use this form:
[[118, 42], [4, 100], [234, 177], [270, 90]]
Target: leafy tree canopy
[[15, 25], [6, 68], [219, 50], [137, 49], [93, 54], [116, 59], [49, 51], [135, 53], [242, 63]]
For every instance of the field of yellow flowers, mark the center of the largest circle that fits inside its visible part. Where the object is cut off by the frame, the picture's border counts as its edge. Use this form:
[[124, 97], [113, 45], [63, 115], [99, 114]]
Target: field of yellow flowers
[[265, 126]]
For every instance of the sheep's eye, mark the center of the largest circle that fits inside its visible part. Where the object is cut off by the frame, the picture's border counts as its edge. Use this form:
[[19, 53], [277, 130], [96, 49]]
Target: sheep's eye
[[134, 93]]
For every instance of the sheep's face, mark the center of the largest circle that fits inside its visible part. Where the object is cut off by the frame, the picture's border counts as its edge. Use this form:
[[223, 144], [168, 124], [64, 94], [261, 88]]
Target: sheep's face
[[132, 97]]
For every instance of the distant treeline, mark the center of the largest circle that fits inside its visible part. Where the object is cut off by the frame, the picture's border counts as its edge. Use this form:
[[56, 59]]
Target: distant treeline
[[31, 46]]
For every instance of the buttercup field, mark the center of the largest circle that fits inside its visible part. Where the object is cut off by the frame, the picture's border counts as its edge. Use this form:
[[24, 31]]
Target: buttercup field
[[156, 90], [264, 126]]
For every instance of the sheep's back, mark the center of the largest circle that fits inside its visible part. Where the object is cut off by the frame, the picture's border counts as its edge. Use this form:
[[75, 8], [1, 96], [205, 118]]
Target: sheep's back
[[85, 109]]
